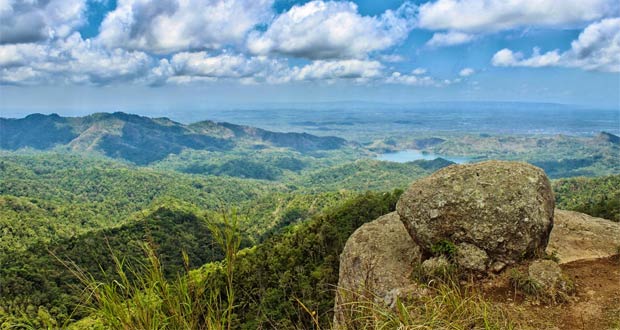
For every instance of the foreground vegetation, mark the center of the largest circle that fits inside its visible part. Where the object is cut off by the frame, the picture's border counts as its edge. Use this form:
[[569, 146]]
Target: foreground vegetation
[[287, 282], [296, 211]]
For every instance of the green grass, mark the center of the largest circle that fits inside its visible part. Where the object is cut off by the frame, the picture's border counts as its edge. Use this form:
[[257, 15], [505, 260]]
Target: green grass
[[446, 306], [144, 298], [559, 293], [523, 283]]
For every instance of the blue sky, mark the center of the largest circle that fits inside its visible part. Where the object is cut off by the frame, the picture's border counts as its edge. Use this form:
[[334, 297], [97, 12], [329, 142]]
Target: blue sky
[[80, 56]]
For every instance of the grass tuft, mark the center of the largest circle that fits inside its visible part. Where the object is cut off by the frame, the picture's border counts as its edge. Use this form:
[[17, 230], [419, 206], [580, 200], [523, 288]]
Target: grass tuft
[[142, 297], [446, 306], [523, 283]]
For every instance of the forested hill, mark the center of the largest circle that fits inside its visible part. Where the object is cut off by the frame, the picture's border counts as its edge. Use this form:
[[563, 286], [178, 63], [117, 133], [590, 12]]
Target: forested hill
[[143, 140]]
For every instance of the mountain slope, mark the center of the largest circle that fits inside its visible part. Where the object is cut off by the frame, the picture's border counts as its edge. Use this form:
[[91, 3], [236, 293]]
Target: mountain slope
[[143, 140], [42, 275]]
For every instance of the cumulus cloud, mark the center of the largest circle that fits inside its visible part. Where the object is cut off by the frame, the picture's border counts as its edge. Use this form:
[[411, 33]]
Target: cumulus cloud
[[200, 66], [507, 57], [451, 38], [596, 48], [168, 26], [418, 71], [181, 41], [70, 60], [332, 30], [361, 70], [36, 20], [466, 72], [13, 55], [411, 79], [224, 65], [186, 66], [482, 16]]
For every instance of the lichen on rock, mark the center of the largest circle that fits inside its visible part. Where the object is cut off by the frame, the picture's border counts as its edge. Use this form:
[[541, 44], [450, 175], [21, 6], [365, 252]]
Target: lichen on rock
[[378, 257], [471, 258], [502, 208]]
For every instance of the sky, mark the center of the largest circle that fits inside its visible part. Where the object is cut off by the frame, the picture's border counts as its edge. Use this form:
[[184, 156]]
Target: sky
[[82, 56]]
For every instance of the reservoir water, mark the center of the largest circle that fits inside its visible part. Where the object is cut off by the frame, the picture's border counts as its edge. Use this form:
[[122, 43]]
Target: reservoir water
[[404, 156]]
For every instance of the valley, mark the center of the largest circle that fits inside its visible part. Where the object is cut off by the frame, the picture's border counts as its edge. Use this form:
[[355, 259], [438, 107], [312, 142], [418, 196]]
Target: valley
[[81, 190]]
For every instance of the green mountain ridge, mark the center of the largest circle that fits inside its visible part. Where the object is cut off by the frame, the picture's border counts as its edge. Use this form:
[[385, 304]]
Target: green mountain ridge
[[42, 275], [143, 140]]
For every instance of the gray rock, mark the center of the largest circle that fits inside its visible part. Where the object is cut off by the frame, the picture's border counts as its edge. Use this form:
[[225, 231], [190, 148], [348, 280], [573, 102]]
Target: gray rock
[[554, 285], [436, 267], [547, 273], [379, 257], [578, 236], [498, 266], [471, 258], [503, 208]]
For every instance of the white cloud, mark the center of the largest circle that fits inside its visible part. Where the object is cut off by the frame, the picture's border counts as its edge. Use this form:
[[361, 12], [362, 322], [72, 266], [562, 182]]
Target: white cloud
[[224, 65], [184, 67], [25, 21], [18, 75], [507, 57], [392, 58], [70, 60], [21, 54], [451, 38], [418, 71], [360, 70], [411, 79], [483, 16], [596, 48], [169, 26], [466, 72], [330, 30]]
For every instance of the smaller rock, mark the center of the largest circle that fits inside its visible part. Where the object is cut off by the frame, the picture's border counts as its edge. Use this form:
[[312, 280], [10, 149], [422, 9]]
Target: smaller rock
[[471, 258], [545, 272], [498, 266], [436, 268], [553, 283]]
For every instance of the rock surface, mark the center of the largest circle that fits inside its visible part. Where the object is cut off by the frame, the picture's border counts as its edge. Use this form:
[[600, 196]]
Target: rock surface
[[554, 284], [578, 236], [503, 208], [378, 258], [435, 267], [470, 257], [545, 272]]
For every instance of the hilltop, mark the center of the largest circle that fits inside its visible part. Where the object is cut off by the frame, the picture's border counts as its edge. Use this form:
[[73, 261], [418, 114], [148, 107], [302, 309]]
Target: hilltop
[[143, 140]]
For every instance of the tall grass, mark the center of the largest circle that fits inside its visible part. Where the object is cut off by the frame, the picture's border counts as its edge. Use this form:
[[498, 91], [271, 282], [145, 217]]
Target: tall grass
[[447, 305], [143, 298]]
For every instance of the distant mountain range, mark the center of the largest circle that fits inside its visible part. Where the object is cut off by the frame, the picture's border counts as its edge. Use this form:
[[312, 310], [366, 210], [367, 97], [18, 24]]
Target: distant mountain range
[[144, 140]]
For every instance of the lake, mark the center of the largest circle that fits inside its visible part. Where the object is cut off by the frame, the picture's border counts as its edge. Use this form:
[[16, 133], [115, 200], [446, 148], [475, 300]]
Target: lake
[[404, 156]]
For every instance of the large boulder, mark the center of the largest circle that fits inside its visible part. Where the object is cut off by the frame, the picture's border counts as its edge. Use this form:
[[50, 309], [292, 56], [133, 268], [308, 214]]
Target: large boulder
[[376, 263], [578, 236], [504, 209]]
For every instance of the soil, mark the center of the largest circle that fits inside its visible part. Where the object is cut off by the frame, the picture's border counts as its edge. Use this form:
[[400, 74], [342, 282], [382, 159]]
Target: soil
[[594, 306]]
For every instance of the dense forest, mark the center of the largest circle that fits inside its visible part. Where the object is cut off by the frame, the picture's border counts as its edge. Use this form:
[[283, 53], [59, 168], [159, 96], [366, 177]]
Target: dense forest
[[599, 197], [70, 206], [60, 210]]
